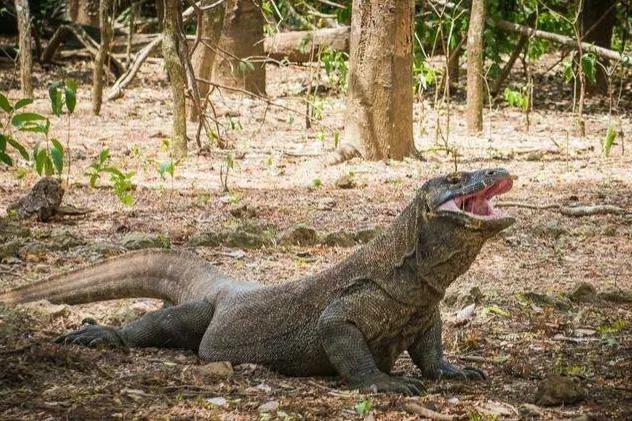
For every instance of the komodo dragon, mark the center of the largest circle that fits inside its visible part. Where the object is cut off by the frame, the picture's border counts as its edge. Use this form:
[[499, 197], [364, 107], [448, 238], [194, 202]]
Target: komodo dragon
[[353, 319]]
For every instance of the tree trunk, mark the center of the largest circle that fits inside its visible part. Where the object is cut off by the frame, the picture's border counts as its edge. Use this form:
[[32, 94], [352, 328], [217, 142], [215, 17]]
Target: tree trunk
[[84, 12], [26, 53], [379, 116], [475, 72], [171, 51], [99, 61], [598, 18], [242, 38], [204, 57]]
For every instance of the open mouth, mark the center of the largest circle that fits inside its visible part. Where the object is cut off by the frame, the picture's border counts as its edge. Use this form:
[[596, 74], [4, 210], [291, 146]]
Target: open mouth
[[478, 204]]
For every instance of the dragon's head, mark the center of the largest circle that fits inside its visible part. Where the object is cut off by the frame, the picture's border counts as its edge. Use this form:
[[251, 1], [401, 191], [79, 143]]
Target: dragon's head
[[464, 199]]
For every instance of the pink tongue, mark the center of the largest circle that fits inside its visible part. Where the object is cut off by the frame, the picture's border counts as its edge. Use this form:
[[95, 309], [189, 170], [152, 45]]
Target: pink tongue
[[478, 206]]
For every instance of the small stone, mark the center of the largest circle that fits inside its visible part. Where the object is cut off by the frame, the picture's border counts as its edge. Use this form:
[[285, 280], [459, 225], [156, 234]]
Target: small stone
[[218, 401], [140, 240], [242, 238], [105, 248], [365, 235], [557, 390], [616, 295], [299, 235], [206, 239], [62, 239], [34, 252], [583, 292], [339, 239], [542, 300], [243, 211], [345, 181], [268, 406], [222, 369], [529, 410], [46, 310], [9, 249]]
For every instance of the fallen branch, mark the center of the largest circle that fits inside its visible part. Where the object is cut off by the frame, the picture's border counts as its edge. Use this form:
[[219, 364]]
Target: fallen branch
[[117, 89], [582, 210], [62, 33], [424, 412]]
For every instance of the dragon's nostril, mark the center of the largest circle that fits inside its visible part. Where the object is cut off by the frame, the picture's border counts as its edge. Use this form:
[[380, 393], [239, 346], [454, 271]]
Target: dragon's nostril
[[490, 172]]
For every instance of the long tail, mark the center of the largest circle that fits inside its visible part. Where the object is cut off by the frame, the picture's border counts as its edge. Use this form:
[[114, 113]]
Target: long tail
[[178, 277]]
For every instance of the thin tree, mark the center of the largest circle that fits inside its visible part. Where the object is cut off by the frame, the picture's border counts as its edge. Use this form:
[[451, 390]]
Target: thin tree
[[475, 72], [171, 50], [379, 115], [99, 61], [240, 62], [203, 59], [26, 53], [597, 20]]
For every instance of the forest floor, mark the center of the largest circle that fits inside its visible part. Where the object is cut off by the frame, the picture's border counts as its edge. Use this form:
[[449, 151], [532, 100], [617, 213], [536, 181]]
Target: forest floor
[[530, 319]]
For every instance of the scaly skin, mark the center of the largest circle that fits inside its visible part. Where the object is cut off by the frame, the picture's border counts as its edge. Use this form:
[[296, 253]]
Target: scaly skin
[[353, 319]]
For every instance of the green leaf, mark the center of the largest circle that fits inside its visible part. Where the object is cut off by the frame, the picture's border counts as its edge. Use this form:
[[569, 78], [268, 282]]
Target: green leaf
[[40, 157], [496, 310], [609, 140], [3, 142], [6, 159], [48, 166], [23, 103], [114, 171], [55, 98], [18, 147], [4, 104], [245, 66], [93, 180], [22, 119], [104, 155], [363, 408], [70, 95], [57, 153]]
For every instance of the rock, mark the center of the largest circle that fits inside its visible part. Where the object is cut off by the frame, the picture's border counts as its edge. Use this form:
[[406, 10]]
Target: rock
[[42, 201], [44, 309], [140, 240], [105, 248], [345, 181], [583, 292], [242, 238], [616, 295], [529, 410], [339, 239], [367, 234], [299, 235], [243, 211], [62, 239], [219, 401], [268, 406], [557, 390], [206, 239], [223, 369], [33, 252], [9, 249]]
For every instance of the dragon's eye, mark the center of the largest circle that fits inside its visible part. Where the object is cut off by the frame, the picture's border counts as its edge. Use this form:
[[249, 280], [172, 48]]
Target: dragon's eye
[[454, 178]]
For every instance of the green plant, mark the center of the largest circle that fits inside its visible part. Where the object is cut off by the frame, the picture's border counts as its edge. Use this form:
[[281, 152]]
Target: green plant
[[121, 181], [47, 156], [516, 99], [336, 67], [229, 164], [363, 407], [609, 140]]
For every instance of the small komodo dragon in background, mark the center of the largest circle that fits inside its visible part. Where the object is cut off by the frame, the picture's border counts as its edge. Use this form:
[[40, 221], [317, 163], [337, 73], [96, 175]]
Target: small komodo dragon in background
[[353, 319]]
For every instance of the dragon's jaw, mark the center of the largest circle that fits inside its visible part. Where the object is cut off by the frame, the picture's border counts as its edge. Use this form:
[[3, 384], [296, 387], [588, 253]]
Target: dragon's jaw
[[478, 205]]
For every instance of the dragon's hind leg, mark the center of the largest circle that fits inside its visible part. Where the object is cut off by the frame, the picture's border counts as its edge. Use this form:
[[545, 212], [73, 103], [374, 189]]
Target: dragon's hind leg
[[179, 326]]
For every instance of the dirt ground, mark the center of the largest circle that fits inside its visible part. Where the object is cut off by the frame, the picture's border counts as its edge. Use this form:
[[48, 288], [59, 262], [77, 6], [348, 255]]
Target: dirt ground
[[528, 321]]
